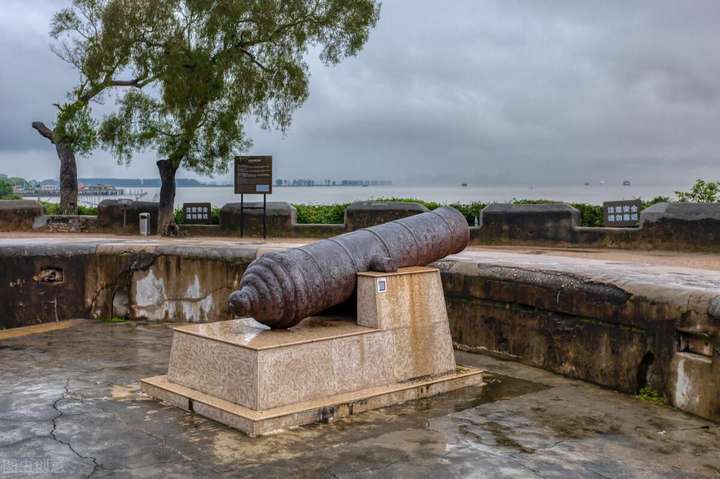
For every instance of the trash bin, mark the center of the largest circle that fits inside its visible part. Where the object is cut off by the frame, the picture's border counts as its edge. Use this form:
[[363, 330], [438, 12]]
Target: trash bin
[[144, 223]]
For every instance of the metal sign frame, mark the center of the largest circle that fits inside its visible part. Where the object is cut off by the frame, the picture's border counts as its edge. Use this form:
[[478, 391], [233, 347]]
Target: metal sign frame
[[253, 175]]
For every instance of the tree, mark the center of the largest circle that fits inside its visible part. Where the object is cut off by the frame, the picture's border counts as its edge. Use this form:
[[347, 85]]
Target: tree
[[6, 190], [103, 40], [221, 63], [701, 192]]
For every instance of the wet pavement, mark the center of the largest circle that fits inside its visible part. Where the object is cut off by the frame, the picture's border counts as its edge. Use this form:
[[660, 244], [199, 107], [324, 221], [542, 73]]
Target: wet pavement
[[70, 406]]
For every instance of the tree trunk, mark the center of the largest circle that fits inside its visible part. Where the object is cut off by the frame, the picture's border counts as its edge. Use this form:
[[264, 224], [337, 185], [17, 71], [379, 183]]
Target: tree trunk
[[68, 179], [166, 209], [68, 169]]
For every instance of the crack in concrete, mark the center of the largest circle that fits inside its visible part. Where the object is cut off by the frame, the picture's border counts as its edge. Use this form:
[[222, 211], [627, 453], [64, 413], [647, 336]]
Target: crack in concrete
[[53, 431]]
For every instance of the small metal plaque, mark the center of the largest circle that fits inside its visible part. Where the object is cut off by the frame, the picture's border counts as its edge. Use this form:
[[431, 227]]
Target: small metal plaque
[[197, 213], [621, 213], [381, 285], [253, 174]]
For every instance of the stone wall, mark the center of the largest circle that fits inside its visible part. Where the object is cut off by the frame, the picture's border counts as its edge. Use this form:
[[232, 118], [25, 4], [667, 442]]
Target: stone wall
[[123, 216], [669, 226], [533, 223], [363, 214], [280, 218], [41, 284], [18, 215], [615, 326]]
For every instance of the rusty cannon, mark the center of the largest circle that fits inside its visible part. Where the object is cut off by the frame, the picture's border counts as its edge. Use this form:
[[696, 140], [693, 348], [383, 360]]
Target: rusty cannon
[[280, 289]]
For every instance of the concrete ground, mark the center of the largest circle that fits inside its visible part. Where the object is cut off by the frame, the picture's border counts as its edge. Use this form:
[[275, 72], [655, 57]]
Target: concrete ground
[[70, 407]]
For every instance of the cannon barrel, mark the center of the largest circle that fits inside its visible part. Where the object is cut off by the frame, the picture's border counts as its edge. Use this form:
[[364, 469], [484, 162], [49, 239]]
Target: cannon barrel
[[280, 289]]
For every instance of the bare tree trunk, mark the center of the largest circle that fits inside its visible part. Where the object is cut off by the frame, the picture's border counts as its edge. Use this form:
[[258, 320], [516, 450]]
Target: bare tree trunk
[[166, 209], [68, 179], [68, 170]]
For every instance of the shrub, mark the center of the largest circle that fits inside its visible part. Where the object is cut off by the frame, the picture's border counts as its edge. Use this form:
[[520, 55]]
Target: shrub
[[701, 192], [54, 209], [6, 190], [321, 214], [590, 215]]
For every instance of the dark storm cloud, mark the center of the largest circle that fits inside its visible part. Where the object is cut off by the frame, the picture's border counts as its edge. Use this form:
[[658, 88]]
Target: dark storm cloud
[[514, 91]]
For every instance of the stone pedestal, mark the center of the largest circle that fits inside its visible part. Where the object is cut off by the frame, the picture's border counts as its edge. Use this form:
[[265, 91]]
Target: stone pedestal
[[259, 380]]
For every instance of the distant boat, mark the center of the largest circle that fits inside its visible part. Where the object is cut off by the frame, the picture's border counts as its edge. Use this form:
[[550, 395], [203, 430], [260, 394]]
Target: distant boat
[[464, 185], [626, 183]]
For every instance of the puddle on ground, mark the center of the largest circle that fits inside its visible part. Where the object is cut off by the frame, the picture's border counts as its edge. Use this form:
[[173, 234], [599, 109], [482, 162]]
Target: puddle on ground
[[128, 392], [497, 388], [406, 420]]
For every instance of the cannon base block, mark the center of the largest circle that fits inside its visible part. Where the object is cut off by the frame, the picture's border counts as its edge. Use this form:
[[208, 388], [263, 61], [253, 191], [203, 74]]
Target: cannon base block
[[260, 423], [244, 375]]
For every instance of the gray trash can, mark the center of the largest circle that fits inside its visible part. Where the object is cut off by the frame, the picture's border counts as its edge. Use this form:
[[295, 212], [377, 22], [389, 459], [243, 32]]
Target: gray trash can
[[144, 224]]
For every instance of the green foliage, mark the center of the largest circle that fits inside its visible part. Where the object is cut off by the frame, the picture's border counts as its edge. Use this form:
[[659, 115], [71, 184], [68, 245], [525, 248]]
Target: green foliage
[[657, 199], [651, 395], [701, 192], [114, 319], [54, 209], [214, 65], [76, 126], [590, 215], [104, 41], [17, 181], [6, 190], [471, 211], [321, 214]]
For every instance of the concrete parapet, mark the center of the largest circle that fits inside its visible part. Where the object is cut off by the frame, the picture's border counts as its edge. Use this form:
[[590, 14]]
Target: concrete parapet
[[281, 218], [363, 214], [621, 325], [122, 216], [18, 215], [552, 222]]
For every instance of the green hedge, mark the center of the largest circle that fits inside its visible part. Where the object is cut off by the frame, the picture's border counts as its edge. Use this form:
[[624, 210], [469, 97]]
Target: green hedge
[[321, 214], [54, 209]]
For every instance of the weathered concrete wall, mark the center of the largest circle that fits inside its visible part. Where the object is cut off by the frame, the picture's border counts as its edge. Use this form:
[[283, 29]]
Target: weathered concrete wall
[[363, 214], [670, 226], [620, 326], [123, 216], [533, 223], [18, 215], [280, 218], [41, 284]]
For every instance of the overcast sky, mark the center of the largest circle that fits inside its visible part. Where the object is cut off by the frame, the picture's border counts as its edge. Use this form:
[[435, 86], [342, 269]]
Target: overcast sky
[[516, 92]]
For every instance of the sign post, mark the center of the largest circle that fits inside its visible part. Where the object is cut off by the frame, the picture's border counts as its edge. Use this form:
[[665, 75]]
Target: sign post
[[253, 175]]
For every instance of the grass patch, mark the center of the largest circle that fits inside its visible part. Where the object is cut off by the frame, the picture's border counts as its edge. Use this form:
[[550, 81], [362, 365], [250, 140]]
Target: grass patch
[[651, 395], [114, 319]]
